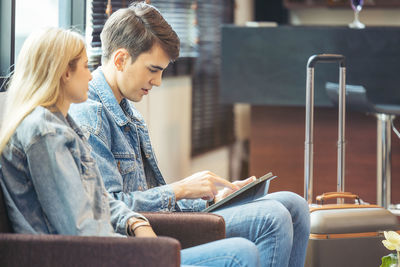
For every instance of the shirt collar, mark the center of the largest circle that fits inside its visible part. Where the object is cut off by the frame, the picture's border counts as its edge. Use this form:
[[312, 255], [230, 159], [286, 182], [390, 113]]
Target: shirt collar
[[106, 95]]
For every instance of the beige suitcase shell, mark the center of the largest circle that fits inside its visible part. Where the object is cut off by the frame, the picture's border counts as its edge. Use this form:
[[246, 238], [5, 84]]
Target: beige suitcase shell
[[348, 234]]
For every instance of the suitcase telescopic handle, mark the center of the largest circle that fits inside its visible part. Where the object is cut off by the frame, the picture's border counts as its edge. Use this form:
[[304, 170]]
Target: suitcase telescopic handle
[[308, 151], [326, 58]]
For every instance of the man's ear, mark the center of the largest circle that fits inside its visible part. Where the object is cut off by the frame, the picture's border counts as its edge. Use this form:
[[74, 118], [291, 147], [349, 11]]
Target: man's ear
[[120, 59]]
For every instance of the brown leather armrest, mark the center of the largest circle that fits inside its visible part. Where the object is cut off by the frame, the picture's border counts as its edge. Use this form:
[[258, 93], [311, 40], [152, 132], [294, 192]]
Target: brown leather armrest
[[190, 228], [58, 250]]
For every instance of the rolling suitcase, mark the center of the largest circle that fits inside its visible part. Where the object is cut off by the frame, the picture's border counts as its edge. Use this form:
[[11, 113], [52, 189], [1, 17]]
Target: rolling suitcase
[[341, 234]]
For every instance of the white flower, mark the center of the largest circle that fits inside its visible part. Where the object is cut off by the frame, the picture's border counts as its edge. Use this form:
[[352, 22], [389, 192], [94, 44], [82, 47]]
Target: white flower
[[392, 241]]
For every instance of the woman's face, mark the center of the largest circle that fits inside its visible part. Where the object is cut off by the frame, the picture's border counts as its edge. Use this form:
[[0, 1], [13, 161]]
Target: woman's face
[[77, 87]]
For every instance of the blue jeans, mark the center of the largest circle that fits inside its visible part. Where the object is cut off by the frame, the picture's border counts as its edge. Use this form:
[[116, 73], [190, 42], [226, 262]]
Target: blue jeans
[[232, 252], [278, 223]]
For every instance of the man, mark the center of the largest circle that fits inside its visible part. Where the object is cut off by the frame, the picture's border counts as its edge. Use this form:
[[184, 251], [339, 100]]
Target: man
[[138, 44]]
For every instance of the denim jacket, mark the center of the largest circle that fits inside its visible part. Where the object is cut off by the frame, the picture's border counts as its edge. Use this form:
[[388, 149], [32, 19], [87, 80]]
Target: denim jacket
[[51, 183], [121, 146]]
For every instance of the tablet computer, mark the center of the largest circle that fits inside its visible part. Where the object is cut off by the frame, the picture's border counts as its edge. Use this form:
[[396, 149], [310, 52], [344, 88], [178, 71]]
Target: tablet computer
[[253, 190]]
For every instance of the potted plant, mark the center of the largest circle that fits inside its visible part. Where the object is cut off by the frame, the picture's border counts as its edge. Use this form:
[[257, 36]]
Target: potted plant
[[392, 242]]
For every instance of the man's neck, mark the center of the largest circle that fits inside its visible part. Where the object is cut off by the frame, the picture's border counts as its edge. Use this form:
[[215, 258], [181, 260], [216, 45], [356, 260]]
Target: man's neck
[[110, 73]]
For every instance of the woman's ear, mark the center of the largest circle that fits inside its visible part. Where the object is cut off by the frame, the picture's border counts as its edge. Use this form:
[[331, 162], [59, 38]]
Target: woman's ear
[[66, 75], [120, 59]]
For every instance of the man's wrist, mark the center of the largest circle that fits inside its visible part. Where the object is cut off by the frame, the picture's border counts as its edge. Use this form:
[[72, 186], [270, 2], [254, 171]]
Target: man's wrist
[[177, 189]]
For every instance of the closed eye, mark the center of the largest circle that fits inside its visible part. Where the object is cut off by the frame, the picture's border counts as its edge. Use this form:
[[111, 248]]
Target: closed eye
[[155, 68], [152, 71]]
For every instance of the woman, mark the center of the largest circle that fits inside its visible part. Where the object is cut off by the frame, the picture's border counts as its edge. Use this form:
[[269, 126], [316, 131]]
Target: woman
[[50, 181]]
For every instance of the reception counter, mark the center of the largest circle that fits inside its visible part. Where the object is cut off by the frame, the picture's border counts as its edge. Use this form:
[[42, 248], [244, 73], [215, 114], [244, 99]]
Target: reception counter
[[266, 67]]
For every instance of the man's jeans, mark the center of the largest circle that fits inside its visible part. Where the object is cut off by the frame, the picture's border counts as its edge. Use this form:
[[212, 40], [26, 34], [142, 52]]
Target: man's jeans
[[278, 223], [232, 252]]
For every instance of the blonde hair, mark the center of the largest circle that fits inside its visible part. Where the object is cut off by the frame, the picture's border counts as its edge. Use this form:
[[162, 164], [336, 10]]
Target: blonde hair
[[45, 56]]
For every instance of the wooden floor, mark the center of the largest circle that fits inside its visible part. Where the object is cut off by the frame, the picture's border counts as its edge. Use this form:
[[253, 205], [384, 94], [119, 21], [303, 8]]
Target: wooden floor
[[277, 144]]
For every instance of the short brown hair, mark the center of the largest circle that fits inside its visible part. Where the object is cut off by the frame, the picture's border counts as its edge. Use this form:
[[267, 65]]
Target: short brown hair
[[137, 28]]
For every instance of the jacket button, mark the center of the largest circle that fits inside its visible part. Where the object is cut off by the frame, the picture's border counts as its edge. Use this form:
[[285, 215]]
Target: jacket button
[[126, 129]]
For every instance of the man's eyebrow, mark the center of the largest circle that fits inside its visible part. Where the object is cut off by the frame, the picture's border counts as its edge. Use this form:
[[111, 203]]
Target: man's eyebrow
[[157, 67]]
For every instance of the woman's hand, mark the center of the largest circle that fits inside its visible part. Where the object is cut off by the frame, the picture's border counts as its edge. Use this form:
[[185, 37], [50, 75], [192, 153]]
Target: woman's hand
[[140, 228], [144, 231]]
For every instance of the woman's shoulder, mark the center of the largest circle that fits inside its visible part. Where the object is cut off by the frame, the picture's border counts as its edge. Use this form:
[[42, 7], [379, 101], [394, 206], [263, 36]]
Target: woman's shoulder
[[44, 119], [41, 122]]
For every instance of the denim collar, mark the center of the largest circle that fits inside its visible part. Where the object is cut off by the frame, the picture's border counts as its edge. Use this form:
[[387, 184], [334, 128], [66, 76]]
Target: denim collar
[[74, 126], [68, 121], [106, 95]]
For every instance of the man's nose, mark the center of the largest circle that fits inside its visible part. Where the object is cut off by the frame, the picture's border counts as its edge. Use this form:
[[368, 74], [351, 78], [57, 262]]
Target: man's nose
[[156, 81]]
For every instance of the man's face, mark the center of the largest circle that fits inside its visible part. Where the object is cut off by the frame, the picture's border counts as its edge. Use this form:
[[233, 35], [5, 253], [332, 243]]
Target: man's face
[[137, 78]]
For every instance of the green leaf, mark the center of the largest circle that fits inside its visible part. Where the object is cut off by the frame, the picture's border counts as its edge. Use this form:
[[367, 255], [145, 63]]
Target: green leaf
[[388, 260]]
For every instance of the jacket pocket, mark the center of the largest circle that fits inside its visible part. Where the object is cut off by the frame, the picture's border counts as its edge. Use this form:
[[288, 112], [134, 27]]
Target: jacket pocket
[[125, 165]]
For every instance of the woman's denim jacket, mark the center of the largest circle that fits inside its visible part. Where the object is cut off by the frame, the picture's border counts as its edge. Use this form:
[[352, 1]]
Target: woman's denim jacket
[[51, 183], [121, 146]]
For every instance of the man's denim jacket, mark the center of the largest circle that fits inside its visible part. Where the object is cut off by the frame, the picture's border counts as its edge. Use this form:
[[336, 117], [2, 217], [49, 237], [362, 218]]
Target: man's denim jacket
[[121, 146], [51, 183]]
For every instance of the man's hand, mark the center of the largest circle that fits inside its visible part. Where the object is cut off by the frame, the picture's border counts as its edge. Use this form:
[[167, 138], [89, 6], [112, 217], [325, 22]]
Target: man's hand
[[201, 185], [223, 193]]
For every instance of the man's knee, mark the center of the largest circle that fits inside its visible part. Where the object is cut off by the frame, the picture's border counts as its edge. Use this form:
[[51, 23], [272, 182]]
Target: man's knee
[[298, 208], [281, 216], [291, 200], [299, 201]]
